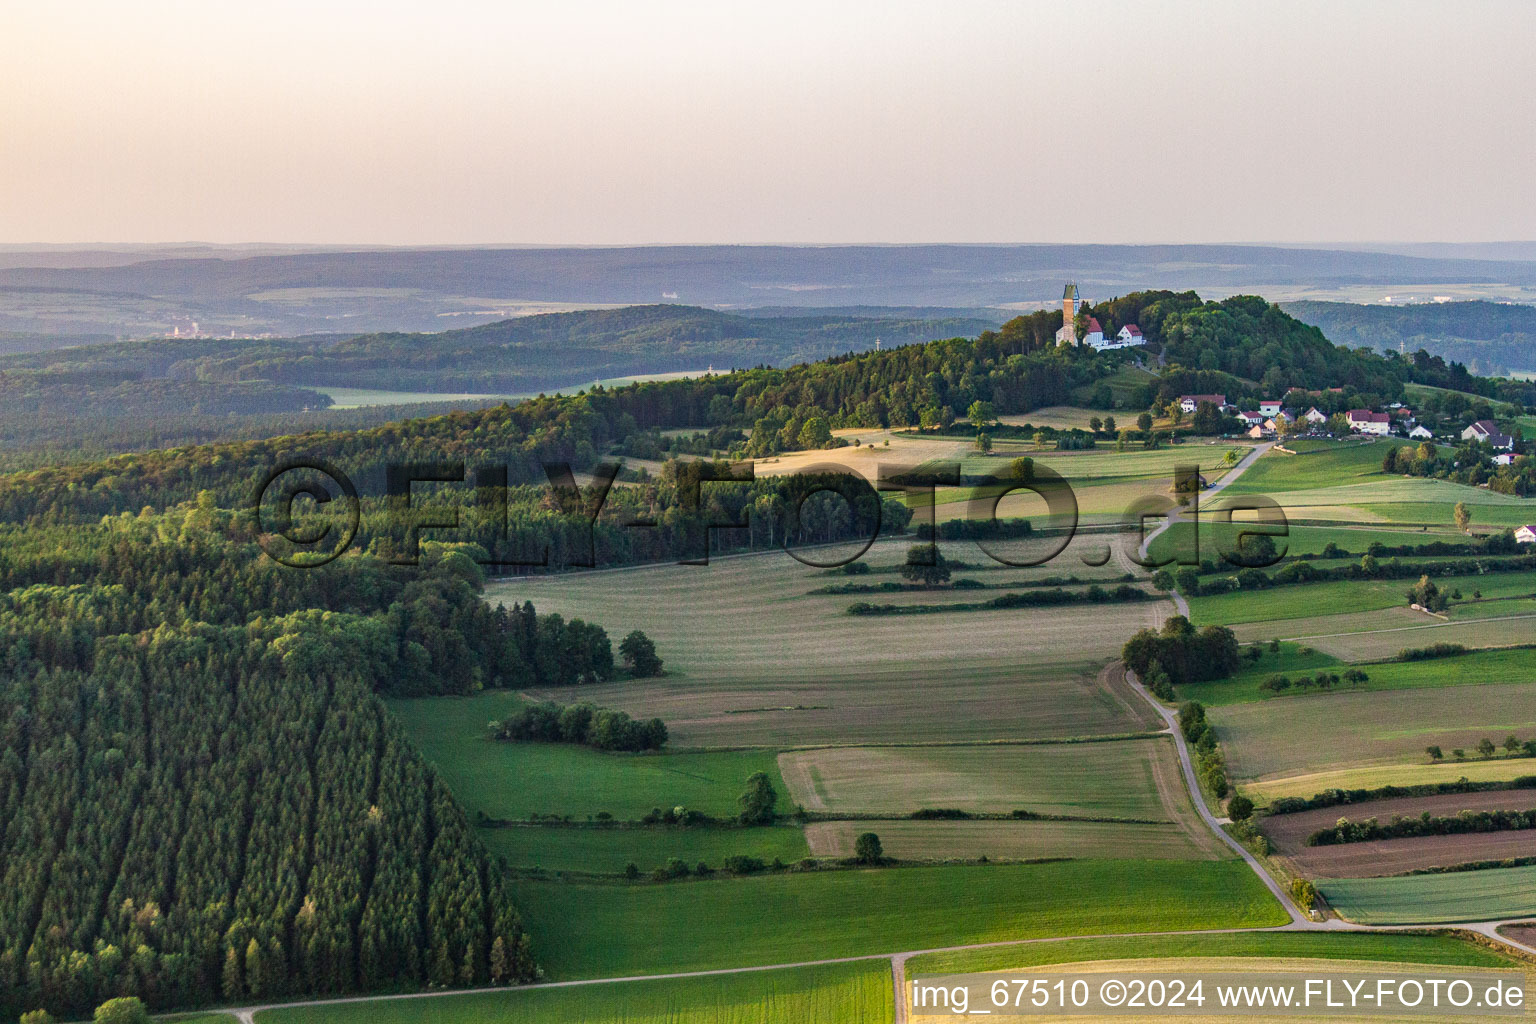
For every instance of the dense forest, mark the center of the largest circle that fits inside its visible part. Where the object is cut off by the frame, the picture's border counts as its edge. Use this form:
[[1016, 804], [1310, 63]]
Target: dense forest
[[1490, 338]]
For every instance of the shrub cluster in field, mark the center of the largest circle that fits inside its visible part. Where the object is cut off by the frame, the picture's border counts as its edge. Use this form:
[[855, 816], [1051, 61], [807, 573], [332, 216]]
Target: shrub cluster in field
[[1401, 827], [1182, 653], [1029, 599], [1486, 749], [599, 728]]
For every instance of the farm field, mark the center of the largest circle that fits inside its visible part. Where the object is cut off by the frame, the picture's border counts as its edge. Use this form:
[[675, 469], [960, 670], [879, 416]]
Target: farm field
[[1385, 858], [515, 780], [1372, 636], [609, 850], [1316, 464], [1456, 896], [1306, 600], [1309, 785], [753, 660], [1173, 949], [858, 993], [1271, 739], [1123, 779], [1472, 669], [789, 917], [1289, 831], [1217, 536], [1016, 840]]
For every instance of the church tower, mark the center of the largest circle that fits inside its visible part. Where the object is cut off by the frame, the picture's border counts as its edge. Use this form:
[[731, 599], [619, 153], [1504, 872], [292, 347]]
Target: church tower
[[1068, 333]]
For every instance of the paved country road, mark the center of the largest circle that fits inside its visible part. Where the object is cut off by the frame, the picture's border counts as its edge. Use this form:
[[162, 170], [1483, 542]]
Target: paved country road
[[898, 961]]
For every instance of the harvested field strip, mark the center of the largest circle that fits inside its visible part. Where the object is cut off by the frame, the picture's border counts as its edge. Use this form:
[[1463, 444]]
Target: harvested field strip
[[1508, 665], [1290, 831], [1307, 786], [1009, 840], [1421, 899], [1400, 856], [1105, 779]]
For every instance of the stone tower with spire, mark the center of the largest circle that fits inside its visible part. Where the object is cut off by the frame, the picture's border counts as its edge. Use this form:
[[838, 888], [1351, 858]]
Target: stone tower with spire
[[1068, 333]]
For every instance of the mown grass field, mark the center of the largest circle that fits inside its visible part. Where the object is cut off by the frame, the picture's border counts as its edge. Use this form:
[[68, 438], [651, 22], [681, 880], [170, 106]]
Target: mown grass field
[[609, 850], [1275, 739], [1114, 779], [1017, 840], [515, 780], [1473, 669], [752, 659], [858, 993], [608, 930], [1456, 896], [1217, 536], [1380, 634], [1342, 946], [1317, 464]]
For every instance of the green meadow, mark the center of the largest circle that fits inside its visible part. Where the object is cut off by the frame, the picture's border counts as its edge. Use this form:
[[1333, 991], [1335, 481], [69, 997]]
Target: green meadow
[[1476, 668], [1305, 600], [515, 780], [588, 930], [1454, 896], [856, 993]]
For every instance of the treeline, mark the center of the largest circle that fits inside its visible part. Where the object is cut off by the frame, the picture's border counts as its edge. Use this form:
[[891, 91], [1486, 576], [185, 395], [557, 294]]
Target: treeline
[[1402, 827], [1338, 797], [1469, 463], [587, 724], [1210, 762]]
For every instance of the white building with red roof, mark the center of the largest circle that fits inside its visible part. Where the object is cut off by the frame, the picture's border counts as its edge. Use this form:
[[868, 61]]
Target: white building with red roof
[[1363, 421]]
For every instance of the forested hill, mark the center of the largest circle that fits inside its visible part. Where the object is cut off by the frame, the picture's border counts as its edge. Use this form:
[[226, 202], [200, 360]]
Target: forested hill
[[525, 354], [1491, 338]]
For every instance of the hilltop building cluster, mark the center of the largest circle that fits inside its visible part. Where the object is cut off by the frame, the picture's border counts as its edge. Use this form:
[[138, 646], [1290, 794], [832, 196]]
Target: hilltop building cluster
[[1129, 335]]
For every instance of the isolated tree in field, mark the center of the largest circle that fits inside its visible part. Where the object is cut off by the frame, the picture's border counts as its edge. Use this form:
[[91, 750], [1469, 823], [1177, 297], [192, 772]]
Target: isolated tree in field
[[1463, 516], [1144, 422], [984, 442], [867, 849], [1122, 439], [1511, 744], [1435, 753], [815, 433], [925, 566], [1109, 424], [1459, 754], [1426, 595], [1486, 748], [639, 654], [1040, 438], [980, 414], [1022, 469], [1239, 808], [758, 800], [127, 1010], [1095, 424]]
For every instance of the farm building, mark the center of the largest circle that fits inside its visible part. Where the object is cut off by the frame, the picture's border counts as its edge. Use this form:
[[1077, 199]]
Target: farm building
[[1526, 535]]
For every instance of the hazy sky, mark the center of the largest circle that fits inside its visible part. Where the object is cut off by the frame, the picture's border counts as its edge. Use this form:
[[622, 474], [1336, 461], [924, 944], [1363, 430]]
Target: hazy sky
[[628, 122]]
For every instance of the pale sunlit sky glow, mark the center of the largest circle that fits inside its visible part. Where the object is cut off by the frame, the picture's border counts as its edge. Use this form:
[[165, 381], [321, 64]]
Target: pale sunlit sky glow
[[582, 122]]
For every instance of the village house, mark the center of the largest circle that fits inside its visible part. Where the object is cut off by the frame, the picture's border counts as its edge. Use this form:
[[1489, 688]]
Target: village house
[[1526, 535], [1269, 407], [1421, 433], [1189, 403], [1315, 415], [1504, 459], [1252, 419], [1363, 421], [1487, 432]]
